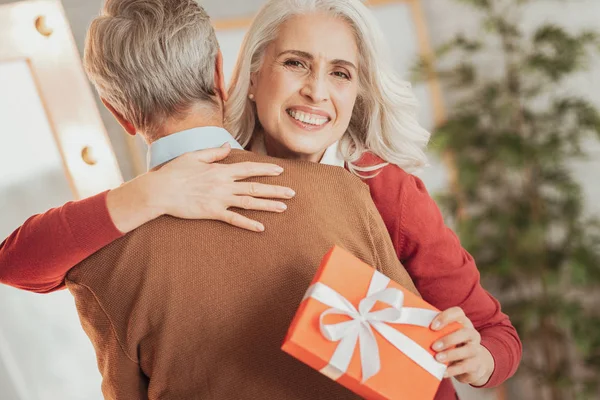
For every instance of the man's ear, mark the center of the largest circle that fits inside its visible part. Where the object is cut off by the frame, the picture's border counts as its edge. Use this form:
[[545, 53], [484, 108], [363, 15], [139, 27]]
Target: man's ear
[[128, 126], [220, 77]]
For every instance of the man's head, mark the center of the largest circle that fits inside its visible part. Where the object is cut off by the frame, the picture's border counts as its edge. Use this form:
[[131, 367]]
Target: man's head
[[154, 63]]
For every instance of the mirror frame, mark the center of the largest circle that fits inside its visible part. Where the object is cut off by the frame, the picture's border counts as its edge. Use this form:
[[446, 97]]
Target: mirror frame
[[38, 32]]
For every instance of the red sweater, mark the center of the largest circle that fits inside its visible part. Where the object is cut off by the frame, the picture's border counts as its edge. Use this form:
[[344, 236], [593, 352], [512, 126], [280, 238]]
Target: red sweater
[[38, 255], [443, 272]]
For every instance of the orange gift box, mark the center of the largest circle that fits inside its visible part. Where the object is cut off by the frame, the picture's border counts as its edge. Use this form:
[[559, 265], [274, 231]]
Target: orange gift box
[[366, 332]]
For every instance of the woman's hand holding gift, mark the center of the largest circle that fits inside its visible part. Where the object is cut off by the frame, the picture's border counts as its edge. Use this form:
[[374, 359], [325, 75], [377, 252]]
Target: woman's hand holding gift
[[468, 361]]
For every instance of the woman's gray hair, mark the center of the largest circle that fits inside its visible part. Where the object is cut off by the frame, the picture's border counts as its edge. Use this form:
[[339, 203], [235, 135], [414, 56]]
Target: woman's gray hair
[[152, 59], [384, 119]]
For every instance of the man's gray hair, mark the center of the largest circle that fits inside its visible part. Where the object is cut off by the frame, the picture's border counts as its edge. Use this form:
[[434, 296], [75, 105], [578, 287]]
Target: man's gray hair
[[152, 59]]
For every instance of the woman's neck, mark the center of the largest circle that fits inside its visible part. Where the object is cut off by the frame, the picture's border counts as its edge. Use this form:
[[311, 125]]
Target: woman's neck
[[264, 144]]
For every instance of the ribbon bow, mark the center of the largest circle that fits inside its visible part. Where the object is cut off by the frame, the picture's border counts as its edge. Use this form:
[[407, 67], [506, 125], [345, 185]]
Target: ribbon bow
[[363, 321]]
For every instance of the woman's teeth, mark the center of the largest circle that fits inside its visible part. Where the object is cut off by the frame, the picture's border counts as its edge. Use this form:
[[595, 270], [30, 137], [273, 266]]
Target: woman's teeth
[[306, 118]]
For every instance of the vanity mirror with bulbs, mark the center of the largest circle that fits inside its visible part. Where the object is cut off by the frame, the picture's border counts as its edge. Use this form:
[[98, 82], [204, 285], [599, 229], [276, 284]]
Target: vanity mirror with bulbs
[[53, 149]]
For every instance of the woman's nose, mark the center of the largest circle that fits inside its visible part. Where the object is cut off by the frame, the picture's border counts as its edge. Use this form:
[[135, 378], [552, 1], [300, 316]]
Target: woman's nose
[[315, 89]]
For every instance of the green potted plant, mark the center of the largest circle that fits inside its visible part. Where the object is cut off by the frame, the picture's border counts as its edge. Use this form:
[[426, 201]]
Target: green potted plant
[[509, 139]]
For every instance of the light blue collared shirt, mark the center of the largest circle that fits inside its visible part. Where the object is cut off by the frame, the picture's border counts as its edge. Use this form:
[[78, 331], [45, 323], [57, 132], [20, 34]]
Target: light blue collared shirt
[[172, 146]]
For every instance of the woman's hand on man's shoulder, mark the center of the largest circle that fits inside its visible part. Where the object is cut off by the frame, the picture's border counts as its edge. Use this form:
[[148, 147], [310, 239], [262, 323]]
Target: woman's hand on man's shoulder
[[195, 186]]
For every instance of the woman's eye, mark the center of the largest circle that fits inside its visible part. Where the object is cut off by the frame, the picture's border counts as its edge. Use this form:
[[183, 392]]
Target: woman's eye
[[294, 63], [342, 75]]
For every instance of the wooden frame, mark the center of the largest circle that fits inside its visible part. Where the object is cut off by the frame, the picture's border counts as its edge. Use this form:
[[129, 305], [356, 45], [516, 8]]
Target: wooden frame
[[38, 32]]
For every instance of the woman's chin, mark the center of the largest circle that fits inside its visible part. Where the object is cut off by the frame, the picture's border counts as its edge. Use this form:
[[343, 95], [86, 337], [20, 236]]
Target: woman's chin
[[299, 144]]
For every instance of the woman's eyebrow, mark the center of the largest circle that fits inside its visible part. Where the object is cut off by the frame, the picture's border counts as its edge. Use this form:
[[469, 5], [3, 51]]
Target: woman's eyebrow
[[310, 57], [298, 53], [344, 63]]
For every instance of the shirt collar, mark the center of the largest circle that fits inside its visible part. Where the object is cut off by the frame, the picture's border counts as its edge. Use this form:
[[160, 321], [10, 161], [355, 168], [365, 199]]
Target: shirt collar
[[169, 147], [332, 155]]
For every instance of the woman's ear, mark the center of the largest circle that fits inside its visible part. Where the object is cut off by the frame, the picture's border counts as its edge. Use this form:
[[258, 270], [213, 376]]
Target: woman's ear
[[253, 79]]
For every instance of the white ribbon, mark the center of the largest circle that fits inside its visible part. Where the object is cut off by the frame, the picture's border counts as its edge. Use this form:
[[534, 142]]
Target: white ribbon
[[363, 321]]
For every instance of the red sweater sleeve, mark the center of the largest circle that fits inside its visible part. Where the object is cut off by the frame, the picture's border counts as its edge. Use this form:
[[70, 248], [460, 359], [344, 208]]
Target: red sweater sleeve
[[444, 273], [37, 256]]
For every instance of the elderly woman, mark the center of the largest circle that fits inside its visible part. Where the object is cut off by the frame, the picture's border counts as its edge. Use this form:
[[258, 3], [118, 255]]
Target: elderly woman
[[313, 82]]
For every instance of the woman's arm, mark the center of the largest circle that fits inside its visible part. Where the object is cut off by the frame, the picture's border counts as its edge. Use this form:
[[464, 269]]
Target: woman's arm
[[37, 256], [444, 273]]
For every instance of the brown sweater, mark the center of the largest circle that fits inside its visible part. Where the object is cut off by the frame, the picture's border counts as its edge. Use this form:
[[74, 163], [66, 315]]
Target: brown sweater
[[183, 309]]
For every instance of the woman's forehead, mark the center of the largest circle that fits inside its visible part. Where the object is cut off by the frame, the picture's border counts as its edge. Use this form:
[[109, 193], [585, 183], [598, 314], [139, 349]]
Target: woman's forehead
[[319, 35]]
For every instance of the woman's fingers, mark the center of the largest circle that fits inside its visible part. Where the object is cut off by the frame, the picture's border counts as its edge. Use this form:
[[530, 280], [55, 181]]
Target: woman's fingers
[[262, 190], [235, 219], [194, 187], [211, 155], [248, 203], [457, 338], [457, 354], [252, 203], [468, 367], [453, 314], [467, 359], [248, 169]]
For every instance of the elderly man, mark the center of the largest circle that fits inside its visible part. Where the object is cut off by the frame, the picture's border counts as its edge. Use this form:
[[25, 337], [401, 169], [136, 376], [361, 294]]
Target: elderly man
[[198, 309]]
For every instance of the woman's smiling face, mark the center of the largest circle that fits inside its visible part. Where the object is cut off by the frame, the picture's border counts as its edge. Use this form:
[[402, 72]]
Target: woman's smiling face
[[307, 86]]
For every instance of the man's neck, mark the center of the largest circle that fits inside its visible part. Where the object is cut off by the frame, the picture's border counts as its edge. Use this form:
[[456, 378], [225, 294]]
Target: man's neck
[[199, 117]]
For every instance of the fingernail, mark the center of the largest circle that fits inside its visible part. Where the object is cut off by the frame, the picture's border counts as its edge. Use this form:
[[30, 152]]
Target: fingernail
[[278, 169], [226, 145], [440, 357], [290, 193], [260, 227], [436, 325], [281, 206], [438, 345]]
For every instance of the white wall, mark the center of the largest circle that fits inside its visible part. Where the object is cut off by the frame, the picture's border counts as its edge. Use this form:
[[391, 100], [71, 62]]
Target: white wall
[[447, 17]]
